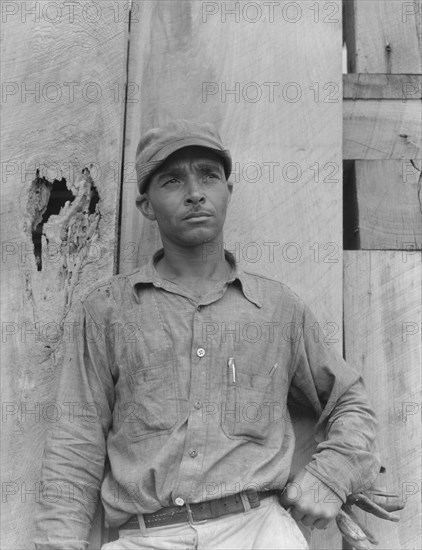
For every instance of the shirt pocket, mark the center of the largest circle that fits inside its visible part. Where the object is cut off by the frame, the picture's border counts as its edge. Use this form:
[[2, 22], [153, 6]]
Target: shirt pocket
[[153, 389], [247, 405]]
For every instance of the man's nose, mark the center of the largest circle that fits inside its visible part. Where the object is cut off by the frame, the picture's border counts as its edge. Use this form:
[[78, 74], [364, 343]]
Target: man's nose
[[195, 192]]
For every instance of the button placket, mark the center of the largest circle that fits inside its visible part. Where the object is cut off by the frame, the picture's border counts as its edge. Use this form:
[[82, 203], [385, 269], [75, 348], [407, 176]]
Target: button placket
[[195, 437]]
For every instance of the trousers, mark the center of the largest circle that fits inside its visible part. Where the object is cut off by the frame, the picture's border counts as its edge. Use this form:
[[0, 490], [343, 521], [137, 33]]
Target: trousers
[[268, 527]]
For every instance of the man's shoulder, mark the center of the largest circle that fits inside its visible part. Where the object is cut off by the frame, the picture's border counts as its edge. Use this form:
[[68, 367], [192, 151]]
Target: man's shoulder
[[110, 287], [271, 286]]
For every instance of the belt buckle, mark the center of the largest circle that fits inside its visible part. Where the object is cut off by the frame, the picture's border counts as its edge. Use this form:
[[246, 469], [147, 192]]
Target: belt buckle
[[190, 516]]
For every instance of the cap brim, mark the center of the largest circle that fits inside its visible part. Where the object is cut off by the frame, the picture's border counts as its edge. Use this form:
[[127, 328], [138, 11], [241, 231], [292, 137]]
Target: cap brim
[[146, 171]]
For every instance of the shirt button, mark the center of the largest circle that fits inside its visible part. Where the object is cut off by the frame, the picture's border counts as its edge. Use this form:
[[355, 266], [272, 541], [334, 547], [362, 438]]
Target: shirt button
[[197, 404], [158, 283], [179, 501], [198, 308], [193, 453], [200, 352]]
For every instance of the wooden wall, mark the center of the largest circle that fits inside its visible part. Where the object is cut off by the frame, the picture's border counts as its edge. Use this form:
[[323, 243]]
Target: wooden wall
[[383, 238], [269, 77], [74, 62]]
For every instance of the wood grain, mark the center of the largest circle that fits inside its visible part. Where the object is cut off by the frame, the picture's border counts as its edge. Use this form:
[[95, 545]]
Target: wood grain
[[187, 50], [284, 219], [383, 36], [73, 120], [382, 320], [388, 195], [381, 129], [406, 87]]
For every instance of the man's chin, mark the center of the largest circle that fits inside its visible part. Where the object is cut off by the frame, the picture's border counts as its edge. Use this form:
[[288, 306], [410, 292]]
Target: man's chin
[[199, 238]]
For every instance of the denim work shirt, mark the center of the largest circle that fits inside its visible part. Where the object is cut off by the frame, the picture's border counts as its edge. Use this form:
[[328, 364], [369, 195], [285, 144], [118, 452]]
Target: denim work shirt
[[174, 399]]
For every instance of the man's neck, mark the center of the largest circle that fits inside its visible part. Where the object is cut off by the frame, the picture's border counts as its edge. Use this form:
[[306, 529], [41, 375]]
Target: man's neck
[[205, 262]]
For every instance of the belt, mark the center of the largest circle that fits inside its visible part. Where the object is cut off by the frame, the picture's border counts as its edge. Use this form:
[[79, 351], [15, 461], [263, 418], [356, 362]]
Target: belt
[[200, 511]]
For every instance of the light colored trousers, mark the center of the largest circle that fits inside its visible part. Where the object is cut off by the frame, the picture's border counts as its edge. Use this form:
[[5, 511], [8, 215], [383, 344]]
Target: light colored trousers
[[268, 527]]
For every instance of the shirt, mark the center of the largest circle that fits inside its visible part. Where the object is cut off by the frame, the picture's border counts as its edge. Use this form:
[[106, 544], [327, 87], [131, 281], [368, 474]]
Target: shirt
[[174, 399]]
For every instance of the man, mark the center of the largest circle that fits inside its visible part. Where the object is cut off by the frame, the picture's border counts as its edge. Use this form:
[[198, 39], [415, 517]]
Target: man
[[184, 421]]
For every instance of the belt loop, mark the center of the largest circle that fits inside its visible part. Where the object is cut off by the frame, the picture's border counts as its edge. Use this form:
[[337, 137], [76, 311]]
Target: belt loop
[[142, 526], [192, 520], [245, 502]]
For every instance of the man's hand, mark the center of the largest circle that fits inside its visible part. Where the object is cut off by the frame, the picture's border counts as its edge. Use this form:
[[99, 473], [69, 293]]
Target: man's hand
[[312, 502]]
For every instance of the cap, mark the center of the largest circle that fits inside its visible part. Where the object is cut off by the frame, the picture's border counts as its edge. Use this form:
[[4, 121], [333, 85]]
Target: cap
[[158, 143]]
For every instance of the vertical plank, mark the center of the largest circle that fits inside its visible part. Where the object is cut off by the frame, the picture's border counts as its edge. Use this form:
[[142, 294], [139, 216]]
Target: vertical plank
[[286, 151], [383, 36], [268, 75], [63, 66], [382, 320]]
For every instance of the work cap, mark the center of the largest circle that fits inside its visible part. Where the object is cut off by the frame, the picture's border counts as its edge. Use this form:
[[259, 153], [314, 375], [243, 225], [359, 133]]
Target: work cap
[[157, 144]]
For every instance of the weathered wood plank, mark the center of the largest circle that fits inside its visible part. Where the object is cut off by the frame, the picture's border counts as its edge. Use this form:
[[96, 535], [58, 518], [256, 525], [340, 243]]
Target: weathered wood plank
[[382, 86], [281, 122], [383, 36], [388, 204], [294, 206], [62, 66], [382, 129], [382, 320]]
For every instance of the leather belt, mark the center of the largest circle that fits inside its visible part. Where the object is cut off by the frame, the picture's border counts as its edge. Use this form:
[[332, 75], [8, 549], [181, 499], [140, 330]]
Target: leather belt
[[200, 511]]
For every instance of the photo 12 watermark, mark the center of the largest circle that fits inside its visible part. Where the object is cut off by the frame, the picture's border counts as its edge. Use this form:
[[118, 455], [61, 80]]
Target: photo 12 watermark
[[86, 12], [269, 92], [271, 12]]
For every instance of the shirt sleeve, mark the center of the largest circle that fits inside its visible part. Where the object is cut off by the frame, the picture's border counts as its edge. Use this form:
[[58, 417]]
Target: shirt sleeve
[[75, 449], [346, 457]]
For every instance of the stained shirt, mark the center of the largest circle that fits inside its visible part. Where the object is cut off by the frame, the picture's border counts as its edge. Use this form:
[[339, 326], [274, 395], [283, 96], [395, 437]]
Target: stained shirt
[[172, 398]]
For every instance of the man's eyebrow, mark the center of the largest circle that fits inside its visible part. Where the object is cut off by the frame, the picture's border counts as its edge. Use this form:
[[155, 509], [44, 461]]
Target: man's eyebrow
[[175, 171], [203, 165], [210, 165]]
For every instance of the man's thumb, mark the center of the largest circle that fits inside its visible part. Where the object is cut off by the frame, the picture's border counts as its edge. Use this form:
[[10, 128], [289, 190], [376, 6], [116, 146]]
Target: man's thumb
[[291, 494]]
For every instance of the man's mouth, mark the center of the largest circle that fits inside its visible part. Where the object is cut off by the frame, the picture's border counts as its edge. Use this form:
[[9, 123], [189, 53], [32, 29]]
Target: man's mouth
[[197, 215]]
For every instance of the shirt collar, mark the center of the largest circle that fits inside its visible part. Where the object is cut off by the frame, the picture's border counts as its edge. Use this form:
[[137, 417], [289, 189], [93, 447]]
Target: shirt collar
[[147, 274]]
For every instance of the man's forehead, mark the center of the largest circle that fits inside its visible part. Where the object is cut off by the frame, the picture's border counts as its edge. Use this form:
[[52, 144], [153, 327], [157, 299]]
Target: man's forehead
[[194, 155]]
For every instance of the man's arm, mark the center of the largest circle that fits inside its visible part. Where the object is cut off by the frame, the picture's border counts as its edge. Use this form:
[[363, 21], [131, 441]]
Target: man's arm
[[75, 450], [346, 459]]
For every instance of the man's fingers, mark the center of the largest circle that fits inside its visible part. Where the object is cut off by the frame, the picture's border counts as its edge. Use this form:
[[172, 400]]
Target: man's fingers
[[321, 524], [308, 521], [288, 497]]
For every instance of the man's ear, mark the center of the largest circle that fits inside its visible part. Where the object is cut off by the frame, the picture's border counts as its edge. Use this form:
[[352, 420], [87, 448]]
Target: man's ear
[[144, 205], [230, 188]]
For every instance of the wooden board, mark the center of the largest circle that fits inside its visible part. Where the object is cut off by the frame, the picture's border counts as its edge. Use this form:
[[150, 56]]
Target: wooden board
[[197, 55], [405, 87], [382, 321], [273, 89], [382, 129], [388, 204], [74, 60], [383, 36]]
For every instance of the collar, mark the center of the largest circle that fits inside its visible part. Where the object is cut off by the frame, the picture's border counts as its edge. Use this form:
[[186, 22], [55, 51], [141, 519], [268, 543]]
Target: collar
[[147, 274]]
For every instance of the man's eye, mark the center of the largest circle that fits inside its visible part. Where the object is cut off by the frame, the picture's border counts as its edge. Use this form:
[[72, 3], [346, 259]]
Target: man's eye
[[212, 175], [171, 181]]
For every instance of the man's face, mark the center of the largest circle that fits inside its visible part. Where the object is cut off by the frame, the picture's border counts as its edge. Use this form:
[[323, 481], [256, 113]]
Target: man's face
[[188, 195]]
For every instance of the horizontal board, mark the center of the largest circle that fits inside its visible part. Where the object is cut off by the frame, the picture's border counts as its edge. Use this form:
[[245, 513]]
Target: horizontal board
[[382, 129], [388, 204], [382, 86], [382, 323]]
